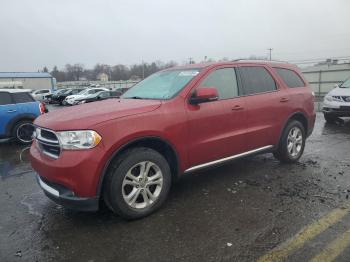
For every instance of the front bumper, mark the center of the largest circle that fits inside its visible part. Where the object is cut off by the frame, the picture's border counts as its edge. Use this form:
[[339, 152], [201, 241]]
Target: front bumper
[[340, 112], [79, 171], [66, 198], [336, 108]]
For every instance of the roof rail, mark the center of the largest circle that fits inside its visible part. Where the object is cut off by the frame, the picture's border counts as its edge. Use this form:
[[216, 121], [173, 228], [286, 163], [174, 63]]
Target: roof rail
[[258, 60]]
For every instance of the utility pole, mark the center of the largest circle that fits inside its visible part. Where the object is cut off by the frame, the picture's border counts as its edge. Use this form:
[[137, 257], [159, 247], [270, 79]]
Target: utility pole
[[270, 50]]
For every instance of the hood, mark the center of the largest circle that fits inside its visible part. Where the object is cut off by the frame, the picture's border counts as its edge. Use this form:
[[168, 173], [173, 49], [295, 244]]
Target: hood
[[340, 92], [88, 115]]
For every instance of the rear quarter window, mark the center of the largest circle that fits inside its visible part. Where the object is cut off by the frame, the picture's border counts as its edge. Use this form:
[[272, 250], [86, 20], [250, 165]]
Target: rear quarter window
[[22, 98], [291, 78], [256, 79], [5, 98]]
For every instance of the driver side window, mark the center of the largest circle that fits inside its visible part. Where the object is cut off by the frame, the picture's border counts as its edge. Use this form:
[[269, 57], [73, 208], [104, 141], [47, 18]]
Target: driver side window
[[224, 80]]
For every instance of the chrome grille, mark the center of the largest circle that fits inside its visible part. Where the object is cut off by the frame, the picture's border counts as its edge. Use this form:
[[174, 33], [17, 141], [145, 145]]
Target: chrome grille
[[48, 142]]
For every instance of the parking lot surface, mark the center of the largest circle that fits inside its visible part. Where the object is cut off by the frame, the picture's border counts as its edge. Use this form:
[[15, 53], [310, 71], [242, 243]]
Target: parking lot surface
[[247, 210]]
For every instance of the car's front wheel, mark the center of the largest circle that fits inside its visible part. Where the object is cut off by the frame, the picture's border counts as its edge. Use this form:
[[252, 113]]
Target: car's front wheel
[[137, 183], [292, 143]]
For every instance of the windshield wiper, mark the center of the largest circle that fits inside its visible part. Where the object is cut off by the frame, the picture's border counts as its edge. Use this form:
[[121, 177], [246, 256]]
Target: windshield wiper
[[134, 97]]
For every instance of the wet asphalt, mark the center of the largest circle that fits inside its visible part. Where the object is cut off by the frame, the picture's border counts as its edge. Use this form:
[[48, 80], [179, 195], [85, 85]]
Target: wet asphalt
[[235, 212]]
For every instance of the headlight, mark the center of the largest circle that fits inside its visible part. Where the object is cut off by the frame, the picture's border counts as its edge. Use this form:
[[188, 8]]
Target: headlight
[[328, 98], [83, 139]]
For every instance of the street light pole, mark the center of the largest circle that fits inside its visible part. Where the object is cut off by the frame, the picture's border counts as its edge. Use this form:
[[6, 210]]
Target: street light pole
[[270, 50]]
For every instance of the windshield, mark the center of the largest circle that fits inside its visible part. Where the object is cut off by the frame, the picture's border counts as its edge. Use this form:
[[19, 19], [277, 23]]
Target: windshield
[[161, 85], [346, 84], [67, 91], [95, 94], [83, 92], [61, 91]]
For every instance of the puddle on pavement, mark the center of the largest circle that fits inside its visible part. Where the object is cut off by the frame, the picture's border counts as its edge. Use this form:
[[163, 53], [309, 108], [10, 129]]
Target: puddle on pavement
[[14, 160]]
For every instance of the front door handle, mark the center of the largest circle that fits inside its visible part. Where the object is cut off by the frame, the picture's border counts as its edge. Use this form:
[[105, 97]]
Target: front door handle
[[237, 107], [11, 111], [284, 99]]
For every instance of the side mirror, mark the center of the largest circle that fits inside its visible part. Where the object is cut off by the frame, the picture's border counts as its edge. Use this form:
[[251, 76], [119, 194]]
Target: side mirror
[[336, 85], [203, 95]]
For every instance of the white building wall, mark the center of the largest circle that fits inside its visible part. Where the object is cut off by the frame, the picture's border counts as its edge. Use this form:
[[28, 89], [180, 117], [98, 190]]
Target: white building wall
[[31, 83]]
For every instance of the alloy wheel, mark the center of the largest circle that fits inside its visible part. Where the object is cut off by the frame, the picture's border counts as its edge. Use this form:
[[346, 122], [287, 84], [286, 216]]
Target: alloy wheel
[[142, 185], [295, 141]]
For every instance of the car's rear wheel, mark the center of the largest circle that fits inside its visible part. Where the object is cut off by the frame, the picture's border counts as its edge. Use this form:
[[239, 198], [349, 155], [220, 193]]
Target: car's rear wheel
[[137, 183], [23, 132], [292, 143], [329, 118]]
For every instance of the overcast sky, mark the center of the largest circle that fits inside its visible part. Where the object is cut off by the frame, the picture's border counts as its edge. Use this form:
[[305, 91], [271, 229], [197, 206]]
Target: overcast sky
[[37, 33]]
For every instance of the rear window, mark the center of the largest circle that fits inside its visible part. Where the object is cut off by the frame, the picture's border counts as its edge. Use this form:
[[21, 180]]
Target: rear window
[[5, 98], [104, 94], [22, 98], [256, 79], [291, 78]]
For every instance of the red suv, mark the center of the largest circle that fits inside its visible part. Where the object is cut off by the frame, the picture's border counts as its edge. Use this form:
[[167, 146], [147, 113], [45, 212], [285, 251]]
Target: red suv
[[127, 151]]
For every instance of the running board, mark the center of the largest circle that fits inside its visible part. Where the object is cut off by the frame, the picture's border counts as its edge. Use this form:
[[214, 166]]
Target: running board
[[254, 151]]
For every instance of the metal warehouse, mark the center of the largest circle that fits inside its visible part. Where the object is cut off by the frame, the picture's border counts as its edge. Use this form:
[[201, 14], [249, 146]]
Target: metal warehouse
[[27, 80]]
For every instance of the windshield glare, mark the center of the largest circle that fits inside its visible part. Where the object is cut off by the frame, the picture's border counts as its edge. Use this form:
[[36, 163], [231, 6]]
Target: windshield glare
[[346, 84], [83, 92], [161, 85]]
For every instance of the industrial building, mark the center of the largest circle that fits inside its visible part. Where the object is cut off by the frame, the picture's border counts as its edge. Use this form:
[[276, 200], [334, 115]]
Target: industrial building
[[27, 80], [324, 76]]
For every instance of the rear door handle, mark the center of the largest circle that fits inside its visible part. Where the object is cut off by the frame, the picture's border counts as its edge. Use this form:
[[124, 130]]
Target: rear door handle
[[237, 107], [11, 111], [284, 99]]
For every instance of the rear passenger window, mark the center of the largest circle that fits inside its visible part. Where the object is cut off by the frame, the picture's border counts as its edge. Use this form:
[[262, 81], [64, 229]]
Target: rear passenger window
[[291, 78], [257, 80], [224, 80], [104, 94], [5, 98], [22, 98]]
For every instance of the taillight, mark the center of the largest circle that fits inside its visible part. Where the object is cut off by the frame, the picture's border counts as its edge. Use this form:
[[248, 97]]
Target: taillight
[[42, 108]]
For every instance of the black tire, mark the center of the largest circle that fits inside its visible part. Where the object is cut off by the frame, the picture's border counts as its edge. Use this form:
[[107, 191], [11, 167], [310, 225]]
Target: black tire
[[113, 185], [329, 118], [19, 130], [282, 153]]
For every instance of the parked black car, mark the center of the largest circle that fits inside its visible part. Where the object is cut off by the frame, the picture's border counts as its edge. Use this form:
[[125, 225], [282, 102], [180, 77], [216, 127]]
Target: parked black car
[[58, 98], [48, 97], [102, 95]]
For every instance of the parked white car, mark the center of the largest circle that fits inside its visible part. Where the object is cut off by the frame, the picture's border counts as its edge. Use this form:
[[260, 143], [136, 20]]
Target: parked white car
[[39, 94], [70, 100], [337, 102]]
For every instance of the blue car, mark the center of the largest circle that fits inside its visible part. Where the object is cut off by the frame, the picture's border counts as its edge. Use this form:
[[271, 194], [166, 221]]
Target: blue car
[[18, 109]]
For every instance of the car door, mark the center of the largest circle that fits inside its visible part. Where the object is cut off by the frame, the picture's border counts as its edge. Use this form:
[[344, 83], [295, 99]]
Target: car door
[[104, 95], [216, 129], [25, 104], [264, 105], [8, 111]]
